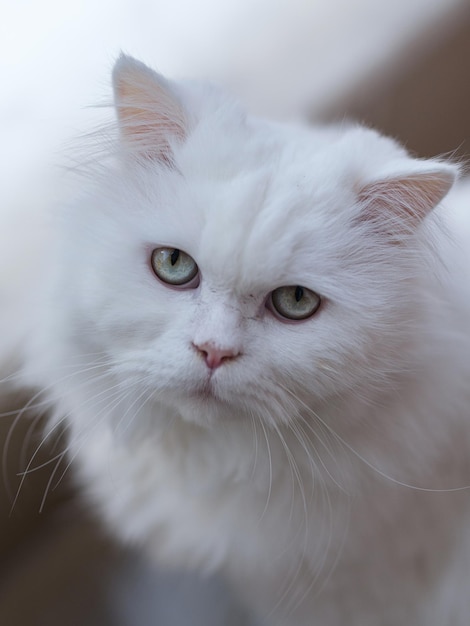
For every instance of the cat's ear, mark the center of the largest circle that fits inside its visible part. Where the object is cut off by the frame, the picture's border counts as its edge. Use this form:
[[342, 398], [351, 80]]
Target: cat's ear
[[400, 201], [151, 117]]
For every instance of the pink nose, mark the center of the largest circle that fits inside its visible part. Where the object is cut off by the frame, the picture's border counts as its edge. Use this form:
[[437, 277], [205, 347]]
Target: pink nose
[[215, 356]]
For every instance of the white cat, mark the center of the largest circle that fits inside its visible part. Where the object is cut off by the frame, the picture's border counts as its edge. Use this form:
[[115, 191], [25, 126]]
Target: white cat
[[258, 336]]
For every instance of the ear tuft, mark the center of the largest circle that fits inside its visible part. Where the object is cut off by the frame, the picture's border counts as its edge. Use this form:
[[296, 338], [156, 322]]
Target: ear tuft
[[404, 200], [150, 115]]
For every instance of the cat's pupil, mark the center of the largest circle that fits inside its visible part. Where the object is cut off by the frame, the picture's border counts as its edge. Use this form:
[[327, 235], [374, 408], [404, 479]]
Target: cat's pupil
[[174, 256], [299, 293]]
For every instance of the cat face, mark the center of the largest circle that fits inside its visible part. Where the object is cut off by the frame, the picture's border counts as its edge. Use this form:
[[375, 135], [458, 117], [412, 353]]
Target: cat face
[[226, 267]]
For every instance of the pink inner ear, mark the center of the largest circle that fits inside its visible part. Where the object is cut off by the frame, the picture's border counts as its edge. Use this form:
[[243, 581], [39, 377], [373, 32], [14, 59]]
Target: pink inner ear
[[406, 199], [150, 117]]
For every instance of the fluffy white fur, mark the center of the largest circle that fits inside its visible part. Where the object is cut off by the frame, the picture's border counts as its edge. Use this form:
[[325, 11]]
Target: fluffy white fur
[[321, 468]]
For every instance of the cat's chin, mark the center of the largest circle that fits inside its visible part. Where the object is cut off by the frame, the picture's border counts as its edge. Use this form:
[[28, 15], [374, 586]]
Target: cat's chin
[[201, 411], [204, 406]]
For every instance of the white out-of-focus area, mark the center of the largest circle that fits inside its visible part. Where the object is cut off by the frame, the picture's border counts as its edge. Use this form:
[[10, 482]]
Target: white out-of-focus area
[[283, 57]]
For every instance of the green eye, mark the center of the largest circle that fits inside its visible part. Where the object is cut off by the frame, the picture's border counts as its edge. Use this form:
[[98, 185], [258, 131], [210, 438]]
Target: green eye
[[174, 266], [295, 302]]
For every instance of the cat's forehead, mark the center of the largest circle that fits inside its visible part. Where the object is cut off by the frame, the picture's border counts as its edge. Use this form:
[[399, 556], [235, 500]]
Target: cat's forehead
[[262, 208]]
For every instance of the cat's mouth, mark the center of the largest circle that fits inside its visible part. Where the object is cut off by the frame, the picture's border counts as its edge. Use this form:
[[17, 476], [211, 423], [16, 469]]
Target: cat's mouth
[[206, 391], [202, 403]]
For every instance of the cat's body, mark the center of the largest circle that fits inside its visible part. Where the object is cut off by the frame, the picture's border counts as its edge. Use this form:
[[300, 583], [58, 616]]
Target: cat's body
[[296, 413]]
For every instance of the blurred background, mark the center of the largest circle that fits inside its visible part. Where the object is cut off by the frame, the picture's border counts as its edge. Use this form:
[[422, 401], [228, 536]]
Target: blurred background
[[401, 66]]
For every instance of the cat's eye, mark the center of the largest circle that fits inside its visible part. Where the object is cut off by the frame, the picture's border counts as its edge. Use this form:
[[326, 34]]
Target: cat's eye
[[174, 267], [295, 302]]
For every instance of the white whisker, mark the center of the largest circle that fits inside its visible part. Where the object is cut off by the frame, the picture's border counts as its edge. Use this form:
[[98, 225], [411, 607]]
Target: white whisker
[[270, 461]]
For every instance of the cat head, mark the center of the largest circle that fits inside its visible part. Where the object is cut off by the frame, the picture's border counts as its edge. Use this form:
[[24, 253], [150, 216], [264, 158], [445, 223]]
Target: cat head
[[224, 266]]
